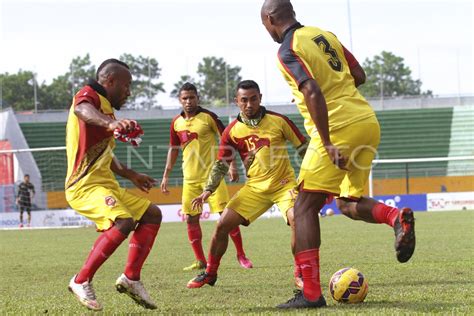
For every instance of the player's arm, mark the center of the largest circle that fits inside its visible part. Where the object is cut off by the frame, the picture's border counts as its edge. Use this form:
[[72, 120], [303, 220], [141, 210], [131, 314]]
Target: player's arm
[[356, 70], [32, 191], [88, 113], [173, 153], [171, 158], [219, 169], [141, 181], [317, 108]]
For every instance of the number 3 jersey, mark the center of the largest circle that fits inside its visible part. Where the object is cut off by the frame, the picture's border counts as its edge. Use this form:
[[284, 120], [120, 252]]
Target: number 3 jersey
[[263, 149], [312, 53]]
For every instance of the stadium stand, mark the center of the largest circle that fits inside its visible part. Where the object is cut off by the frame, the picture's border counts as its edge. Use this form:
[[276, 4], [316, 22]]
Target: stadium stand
[[409, 133]]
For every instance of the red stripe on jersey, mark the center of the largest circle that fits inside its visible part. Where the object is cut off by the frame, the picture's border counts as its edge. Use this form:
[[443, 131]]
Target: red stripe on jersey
[[225, 152], [89, 135], [294, 128], [174, 138], [351, 60], [299, 59]]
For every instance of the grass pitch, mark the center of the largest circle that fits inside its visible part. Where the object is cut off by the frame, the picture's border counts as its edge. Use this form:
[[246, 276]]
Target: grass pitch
[[36, 266]]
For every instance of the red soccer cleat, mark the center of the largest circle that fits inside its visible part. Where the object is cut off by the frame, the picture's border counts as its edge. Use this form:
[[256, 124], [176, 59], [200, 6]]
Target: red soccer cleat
[[244, 262], [202, 279], [405, 234]]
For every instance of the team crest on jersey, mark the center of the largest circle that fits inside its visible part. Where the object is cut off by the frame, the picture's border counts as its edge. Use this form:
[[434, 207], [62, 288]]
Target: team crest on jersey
[[110, 201], [185, 137]]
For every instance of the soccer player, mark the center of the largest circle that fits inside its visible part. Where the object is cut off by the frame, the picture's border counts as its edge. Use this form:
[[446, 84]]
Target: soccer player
[[344, 132], [259, 136], [93, 191], [26, 192], [195, 131]]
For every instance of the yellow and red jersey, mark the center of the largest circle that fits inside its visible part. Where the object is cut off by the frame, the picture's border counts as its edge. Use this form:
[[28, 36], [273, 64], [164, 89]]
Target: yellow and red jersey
[[197, 137], [312, 53], [262, 149], [89, 147]]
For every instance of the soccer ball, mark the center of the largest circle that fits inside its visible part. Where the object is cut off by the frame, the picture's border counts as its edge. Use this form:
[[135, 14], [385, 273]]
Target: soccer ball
[[348, 285]]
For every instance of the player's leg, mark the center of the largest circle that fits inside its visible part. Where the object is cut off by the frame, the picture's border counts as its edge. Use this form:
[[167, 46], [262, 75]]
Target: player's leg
[[352, 204], [148, 217], [28, 213], [195, 239], [190, 191], [243, 208], [220, 239], [102, 206], [21, 215], [104, 247], [217, 202], [318, 179]]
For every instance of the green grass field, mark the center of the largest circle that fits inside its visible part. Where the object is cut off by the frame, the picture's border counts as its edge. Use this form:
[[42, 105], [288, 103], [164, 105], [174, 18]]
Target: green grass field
[[36, 266]]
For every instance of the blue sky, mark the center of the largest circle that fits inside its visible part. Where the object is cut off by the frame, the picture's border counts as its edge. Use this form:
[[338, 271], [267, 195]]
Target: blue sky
[[434, 37]]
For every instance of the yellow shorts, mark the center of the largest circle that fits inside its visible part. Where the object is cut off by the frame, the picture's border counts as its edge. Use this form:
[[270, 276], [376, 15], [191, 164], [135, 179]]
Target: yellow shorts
[[102, 205], [358, 142], [250, 203], [216, 201]]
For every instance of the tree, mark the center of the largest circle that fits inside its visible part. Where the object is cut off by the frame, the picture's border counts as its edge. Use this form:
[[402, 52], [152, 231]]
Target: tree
[[80, 71], [388, 75], [213, 72], [179, 84], [17, 90], [56, 95], [145, 85]]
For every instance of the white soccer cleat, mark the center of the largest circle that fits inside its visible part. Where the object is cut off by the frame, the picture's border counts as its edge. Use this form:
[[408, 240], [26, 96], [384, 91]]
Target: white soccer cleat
[[85, 294], [135, 290]]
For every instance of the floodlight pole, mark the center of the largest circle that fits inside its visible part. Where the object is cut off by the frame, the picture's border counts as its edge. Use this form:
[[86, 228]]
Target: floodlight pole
[[350, 22], [35, 95]]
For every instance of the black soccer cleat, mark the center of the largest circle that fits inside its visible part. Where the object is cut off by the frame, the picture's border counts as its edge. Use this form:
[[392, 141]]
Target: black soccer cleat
[[405, 240], [201, 280], [299, 301]]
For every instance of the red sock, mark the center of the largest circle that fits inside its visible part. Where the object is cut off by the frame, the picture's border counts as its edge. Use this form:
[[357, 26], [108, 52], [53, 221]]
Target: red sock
[[213, 264], [103, 247], [195, 238], [237, 239], [138, 249], [297, 270], [383, 213], [308, 260]]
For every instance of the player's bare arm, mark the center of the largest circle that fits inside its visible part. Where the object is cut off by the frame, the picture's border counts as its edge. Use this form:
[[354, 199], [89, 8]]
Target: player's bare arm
[[317, 108], [233, 172], [141, 181], [218, 172], [89, 114], [170, 162]]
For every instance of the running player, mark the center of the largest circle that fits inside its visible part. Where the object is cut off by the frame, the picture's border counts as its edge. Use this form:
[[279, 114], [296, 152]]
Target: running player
[[259, 136], [344, 132], [93, 191], [195, 131]]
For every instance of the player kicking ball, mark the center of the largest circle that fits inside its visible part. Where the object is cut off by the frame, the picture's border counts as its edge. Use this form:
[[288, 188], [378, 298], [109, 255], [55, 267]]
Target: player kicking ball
[[259, 136], [93, 191]]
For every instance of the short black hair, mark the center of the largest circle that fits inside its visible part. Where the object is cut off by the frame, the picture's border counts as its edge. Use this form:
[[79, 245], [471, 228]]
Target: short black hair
[[27, 175], [107, 62], [187, 86], [246, 85]]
